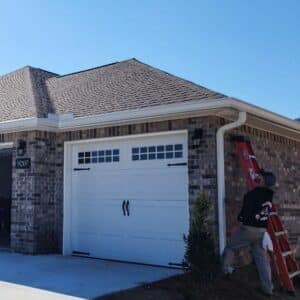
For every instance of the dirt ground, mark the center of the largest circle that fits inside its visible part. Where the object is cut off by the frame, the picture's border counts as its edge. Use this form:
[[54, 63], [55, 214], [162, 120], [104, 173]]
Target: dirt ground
[[241, 286]]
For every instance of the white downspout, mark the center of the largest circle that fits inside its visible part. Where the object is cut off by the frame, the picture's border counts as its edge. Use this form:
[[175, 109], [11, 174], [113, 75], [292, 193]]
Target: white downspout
[[221, 176]]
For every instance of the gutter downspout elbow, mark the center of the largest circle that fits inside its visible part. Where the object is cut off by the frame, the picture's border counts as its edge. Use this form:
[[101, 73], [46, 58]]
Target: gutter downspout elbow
[[221, 176]]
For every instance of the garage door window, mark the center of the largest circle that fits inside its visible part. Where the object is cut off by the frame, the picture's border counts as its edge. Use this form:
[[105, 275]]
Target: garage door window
[[99, 156], [157, 152]]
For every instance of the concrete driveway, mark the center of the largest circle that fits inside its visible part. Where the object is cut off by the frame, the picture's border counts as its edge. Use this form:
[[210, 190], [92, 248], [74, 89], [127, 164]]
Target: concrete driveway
[[55, 277]]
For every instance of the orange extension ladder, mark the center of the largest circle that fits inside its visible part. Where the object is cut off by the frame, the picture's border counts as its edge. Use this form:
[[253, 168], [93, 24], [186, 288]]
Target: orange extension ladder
[[284, 263]]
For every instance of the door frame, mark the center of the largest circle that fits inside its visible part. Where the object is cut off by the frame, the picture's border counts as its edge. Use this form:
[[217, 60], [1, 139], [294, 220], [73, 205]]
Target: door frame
[[9, 145], [67, 181]]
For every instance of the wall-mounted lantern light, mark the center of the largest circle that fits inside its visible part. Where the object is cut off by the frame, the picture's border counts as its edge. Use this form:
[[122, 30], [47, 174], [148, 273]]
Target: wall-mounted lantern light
[[21, 149], [198, 134]]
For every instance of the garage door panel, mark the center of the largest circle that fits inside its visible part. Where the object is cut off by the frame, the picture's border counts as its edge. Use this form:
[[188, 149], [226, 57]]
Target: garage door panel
[[110, 247], [138, 250], [99, 185], [156, 192], [144, 185], [166, 251], [156, 224], [136, 184], [141, 251], [82, 242], [90, 216]]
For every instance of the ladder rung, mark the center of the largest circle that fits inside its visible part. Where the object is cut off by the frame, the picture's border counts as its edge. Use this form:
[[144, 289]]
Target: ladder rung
[[278, 233], [286, 253], [250, 156], [293, 274]]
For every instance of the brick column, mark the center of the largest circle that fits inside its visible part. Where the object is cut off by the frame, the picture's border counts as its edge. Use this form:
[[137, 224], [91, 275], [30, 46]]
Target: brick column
[[34, 213], [23, 198]]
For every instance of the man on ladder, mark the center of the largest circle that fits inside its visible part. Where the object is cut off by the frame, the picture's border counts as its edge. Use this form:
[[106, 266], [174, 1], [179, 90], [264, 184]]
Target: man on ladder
[[254, 216]]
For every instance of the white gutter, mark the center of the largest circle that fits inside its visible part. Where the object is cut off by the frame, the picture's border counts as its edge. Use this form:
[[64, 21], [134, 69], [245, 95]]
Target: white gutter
[[264, 114], [176, 110], [221, 176], [64, 122]]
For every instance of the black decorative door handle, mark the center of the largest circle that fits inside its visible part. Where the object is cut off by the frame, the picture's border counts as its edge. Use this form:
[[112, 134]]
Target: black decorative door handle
[[123, 208], [127, 208]]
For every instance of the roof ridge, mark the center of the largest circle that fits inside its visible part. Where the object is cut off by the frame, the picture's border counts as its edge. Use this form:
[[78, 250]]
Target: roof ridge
[[90, 69], [27, 67], [99, 67], [43, 70], [15, 71]]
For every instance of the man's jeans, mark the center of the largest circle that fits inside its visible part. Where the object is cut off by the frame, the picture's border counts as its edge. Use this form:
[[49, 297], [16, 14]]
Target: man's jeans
[[250, 236]]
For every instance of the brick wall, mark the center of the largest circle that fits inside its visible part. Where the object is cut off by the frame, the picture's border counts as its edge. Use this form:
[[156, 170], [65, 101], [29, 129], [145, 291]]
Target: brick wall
[[34, 215], [202, 159], [37, 193], [279, 155], [23, 196], [48, 168], [37, 196]]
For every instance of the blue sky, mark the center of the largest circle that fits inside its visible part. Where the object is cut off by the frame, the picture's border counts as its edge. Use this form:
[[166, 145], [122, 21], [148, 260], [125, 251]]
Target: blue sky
[[246, 49]]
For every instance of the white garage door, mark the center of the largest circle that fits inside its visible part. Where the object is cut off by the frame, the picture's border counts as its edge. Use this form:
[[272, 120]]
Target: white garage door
[[130, 199]]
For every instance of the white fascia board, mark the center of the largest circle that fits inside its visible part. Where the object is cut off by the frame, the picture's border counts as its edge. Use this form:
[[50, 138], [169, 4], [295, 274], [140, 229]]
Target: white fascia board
[[27, 124], [161, 112], [58, 124], [264, 114], [176, 110], [142, 114]]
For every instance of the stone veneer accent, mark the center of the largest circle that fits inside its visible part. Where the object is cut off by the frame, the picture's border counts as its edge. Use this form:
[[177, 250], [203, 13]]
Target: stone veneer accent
[[37, 197]]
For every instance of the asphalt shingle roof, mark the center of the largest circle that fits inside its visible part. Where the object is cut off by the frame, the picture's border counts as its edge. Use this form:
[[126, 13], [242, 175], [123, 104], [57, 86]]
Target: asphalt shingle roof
[[31, 92], [16, 99]]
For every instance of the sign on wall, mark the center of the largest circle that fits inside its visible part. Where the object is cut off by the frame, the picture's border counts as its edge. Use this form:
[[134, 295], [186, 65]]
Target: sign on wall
[[23, 163]]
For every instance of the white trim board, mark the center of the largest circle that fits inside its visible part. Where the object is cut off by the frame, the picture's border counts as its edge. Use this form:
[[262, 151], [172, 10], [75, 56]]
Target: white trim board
[[127, 137], [8, 145], [203, 107]]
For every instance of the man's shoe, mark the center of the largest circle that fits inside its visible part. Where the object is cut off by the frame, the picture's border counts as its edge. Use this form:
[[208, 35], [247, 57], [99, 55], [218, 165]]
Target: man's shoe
[[228, 273], [265, 293]]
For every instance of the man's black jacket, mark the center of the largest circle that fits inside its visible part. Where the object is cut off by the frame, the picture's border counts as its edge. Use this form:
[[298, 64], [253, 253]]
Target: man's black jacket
[[256, 207]]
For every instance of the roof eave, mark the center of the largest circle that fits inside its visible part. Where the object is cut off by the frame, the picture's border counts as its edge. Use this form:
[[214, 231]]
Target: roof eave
[[223, 107]]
